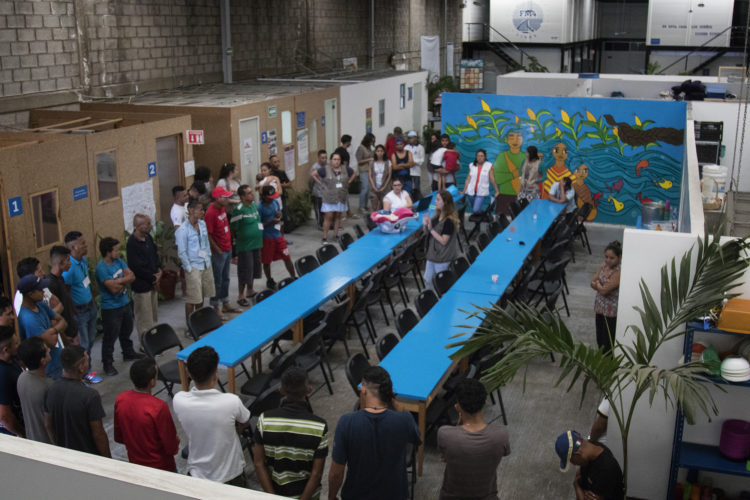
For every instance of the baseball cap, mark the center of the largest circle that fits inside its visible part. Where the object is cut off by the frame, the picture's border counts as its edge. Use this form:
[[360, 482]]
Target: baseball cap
[[269, 192], [411, 134], [220, 192], [31, 282], [567, 443]]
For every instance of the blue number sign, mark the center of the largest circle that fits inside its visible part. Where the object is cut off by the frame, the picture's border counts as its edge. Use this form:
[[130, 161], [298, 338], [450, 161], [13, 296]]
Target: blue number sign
[[152, 169], [14, 206]]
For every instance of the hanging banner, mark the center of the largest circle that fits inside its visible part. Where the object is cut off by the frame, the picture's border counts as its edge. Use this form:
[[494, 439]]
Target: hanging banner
[[430, 46]]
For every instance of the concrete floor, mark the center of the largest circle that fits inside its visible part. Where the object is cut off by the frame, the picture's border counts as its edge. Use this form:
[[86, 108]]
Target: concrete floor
[[535, 417]]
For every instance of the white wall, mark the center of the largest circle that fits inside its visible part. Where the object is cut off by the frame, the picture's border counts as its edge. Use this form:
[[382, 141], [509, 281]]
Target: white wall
[[357, 97], [667, 57], [652, 430], [550, 57], [38, 470], [726, 112], [540, 84]]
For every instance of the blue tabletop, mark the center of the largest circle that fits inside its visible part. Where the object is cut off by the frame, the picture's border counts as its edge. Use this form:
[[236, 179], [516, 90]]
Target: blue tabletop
[[504, 256], [251, 330], [420, 359]]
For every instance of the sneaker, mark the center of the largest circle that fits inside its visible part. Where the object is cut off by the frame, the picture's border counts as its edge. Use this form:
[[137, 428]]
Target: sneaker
[[132, 356], [271, 284], [92, 378], [323, 241], [110, 370]]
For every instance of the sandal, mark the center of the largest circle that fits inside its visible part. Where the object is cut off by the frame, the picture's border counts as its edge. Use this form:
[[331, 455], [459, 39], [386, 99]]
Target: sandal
[[243, 302], [230, 309]]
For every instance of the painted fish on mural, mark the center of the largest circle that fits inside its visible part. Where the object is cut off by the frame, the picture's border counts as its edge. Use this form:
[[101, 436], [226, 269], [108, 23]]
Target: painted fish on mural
[[641, 165], [643, 199], [616, 186], [664, 184], [618, 204], [596, 197]]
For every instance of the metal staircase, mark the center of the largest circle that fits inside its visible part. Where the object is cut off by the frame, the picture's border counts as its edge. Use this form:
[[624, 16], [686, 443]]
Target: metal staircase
[[739, 213]]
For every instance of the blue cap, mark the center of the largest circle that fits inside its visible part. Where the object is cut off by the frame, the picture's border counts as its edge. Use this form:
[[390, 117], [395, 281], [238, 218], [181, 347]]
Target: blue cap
[[31, 282], [567, 443]]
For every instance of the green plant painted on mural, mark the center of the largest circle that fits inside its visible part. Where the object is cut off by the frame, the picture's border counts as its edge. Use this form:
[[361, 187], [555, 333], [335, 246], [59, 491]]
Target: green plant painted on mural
[[495, 123]]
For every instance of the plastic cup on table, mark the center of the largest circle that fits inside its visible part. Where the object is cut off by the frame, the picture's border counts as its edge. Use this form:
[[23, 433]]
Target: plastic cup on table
[[495, 278], [512, 228]]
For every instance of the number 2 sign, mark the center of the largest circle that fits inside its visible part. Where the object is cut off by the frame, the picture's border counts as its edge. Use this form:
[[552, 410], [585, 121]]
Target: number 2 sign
[[14, 206]]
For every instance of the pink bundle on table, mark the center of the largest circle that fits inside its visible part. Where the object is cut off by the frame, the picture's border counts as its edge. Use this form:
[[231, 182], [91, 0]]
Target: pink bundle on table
[[392, 222]]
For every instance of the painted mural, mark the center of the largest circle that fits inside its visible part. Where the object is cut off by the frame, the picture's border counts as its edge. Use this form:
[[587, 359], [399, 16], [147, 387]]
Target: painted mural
[[619, 153]]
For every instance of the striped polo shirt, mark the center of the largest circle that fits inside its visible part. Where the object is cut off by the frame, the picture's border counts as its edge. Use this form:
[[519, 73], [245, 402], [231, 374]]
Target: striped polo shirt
[[292, 438]]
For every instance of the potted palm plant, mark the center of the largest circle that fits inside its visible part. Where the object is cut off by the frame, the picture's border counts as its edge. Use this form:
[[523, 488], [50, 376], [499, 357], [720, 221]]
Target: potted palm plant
[[688, 290]]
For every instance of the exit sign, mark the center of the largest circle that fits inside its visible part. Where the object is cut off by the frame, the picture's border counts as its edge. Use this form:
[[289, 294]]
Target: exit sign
[[194, 136]]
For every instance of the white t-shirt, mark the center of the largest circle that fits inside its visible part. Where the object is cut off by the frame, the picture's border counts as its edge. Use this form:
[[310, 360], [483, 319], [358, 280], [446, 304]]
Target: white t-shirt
[[570, 195], [208, 419], [233, 185], [603, 410], [378, 168], [396, 201], [417, 152], [178, 213]]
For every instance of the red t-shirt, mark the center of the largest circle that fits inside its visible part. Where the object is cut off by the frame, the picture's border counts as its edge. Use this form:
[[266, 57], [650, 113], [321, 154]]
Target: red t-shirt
[[390, 146], [451, 161], [145, 426], [217, 224]]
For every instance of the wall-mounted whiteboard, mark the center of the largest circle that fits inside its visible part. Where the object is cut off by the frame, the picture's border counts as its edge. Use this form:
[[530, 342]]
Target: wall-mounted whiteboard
[[689, 23]]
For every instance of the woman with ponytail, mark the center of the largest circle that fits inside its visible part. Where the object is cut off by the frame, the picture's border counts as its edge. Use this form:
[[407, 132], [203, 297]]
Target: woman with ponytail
[[606, 282]]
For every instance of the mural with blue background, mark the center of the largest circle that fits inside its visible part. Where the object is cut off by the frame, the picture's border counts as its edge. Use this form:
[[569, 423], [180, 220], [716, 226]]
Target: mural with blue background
[[633, 149]]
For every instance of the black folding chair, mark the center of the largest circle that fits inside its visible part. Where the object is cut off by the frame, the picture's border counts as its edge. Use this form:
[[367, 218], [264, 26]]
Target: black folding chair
[[386, 344], [326, 253], [312, 353], [286, 281], [443, 280], [483, 240], [355, 369], [472, 253], [358, 230], [425, 301], [405, 321], [157, 340], [487, 215], [306, 264], [459, 266], [345, 239]]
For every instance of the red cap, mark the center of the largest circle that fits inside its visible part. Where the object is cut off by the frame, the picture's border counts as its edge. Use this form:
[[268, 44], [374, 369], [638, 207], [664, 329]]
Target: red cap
[[220, 192]]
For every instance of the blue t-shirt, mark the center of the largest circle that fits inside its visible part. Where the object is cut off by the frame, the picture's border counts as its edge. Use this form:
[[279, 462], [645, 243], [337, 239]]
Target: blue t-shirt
[[112, 271], [373, 447], [33, 324], [267, 213], [77, 277]]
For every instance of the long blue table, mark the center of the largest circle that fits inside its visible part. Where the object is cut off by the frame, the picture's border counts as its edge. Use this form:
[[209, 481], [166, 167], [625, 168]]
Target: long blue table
[[244, 335], [420, 363]]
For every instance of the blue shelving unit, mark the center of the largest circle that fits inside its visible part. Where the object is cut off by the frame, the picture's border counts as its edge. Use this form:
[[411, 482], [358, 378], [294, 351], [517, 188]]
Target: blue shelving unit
[[686, 455]]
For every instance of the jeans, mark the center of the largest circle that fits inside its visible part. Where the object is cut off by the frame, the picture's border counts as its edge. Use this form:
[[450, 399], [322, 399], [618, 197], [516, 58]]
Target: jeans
[[118, 324], [416, 183], [431, 269], [364, 180], [407, 183], [476, 203], [86, 320], [220, 265]]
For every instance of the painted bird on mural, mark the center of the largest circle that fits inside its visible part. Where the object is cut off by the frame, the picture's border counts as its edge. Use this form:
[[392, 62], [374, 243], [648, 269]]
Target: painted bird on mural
[[638, 137]]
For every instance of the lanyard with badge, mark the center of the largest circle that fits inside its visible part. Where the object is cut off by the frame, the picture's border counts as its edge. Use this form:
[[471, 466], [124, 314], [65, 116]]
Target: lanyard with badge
[[339, 184]]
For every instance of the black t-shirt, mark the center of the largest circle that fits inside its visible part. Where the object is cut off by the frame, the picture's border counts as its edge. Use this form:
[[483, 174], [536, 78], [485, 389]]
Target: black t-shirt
[[73, 407], [283, 178], [9, 373], [448, 226], [59, 290], [341, 151], [373, 446], [603, 476]]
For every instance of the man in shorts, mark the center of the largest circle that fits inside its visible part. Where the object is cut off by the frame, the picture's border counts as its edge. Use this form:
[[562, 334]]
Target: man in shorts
[[274, 244], [247, 231], [194, 251]]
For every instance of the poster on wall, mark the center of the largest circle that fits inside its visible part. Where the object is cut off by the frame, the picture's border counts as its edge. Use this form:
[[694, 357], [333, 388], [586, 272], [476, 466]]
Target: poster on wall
[[529, 21], [303, 147], [272, 149], [472, 74], [289, 161], [137, 198], [247, 151], [690, 22], [368, 121], [618, 153]]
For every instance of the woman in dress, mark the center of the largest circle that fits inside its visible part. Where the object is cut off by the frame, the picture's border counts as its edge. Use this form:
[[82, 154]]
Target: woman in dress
[[265, 177], [442, 239], [364, 162], [477, 185], [606, 282], [530, 175], [397, 198], [380, 176], [335, 182]]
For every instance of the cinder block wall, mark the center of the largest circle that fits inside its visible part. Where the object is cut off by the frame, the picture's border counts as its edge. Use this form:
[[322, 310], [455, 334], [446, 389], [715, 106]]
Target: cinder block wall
[[56, 53]]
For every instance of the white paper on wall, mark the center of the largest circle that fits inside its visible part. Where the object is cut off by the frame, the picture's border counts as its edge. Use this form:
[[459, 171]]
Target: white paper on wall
[[137, 198], [289, 161], [303, 148], [189, 168]]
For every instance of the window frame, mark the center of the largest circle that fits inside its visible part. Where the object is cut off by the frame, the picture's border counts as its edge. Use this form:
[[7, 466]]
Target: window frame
[[59, 239], [117, 196]]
